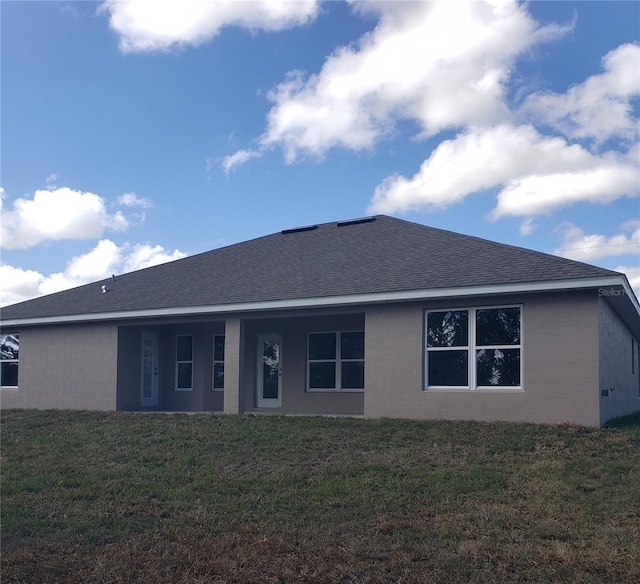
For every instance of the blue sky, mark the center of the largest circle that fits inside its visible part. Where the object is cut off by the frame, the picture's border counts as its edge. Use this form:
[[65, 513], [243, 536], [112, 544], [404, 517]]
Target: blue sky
[[136, 132]]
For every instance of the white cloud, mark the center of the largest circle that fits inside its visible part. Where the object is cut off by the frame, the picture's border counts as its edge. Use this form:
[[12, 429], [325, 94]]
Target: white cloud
[[441, 64], [633, 275], [577, 245], [527, 226], [445, 65], [237, 159], [17, 284], [51, 181], [61, 213], [609, 179], [149, 25], [99, 263], [145, 256], [133, 200], [601, 107], [104, 259], [538, 173]]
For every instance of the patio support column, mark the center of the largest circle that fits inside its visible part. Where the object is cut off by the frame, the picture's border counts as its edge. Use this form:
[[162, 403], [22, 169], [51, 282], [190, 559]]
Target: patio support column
[[234, 366]]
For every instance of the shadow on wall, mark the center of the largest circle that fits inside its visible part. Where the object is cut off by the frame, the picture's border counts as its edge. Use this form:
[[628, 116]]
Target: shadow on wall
[[630, 421]]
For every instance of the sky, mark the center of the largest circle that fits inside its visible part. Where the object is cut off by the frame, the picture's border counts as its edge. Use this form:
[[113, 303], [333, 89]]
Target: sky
[[135, 132]]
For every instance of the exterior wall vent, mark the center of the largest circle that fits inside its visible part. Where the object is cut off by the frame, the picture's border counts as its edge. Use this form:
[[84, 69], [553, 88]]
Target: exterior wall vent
[[299, 229], [356, 221]]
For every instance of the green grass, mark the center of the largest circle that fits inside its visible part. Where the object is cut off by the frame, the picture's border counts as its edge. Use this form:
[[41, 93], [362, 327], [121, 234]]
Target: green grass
[[117, 497]]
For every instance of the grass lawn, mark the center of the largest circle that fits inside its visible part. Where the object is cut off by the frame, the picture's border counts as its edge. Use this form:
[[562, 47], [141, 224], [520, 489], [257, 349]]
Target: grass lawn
[[121, 497]]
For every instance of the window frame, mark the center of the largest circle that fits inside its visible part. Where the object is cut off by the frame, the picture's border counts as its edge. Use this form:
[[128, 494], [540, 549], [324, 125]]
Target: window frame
[[338, 360], [472, 349], [178, 362], [16, 361], [215, 362]]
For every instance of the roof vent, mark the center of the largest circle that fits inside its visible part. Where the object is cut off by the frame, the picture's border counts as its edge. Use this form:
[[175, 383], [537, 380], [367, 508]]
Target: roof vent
[[356, 221], [299, 229]]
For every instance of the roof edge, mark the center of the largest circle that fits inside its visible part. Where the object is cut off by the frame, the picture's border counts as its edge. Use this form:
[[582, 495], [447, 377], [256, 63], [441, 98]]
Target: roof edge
[[335, 301], [630, 293]]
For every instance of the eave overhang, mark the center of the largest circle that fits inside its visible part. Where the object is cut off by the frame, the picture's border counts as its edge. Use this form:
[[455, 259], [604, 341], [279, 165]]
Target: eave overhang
[[615, 288]]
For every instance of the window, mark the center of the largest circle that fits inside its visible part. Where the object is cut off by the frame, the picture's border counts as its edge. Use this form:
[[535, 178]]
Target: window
[[184, 362], [218, 362], [448, 353], [633, 357], [473, 348], [9, 348], [335, 361]]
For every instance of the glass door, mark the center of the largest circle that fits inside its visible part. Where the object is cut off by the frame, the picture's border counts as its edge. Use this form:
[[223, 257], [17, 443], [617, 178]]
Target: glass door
[[149, 370], [269, 371]]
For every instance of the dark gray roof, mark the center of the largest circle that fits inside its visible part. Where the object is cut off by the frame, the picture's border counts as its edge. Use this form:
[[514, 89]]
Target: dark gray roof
[[382, 254]]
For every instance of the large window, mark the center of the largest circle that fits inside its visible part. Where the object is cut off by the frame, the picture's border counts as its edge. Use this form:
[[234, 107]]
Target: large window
[[473, 348], [9, 348], [184, 362], [218, 362], [335, 361]]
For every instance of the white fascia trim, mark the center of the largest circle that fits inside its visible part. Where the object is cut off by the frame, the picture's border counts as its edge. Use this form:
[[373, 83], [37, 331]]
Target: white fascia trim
[[333, 301], [630, 294]]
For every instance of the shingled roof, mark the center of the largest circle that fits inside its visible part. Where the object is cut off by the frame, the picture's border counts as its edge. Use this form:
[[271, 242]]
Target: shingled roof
[[375, 255]]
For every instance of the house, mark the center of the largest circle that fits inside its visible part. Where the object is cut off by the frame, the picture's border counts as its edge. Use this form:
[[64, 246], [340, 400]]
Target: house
[[370, 317]]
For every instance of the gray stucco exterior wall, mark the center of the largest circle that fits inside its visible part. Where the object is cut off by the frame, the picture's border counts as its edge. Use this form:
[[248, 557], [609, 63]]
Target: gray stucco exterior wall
[[233, 366], [296, 399], [559, 374], [200, 398], [574, 346], [66, 367], [619, 376]]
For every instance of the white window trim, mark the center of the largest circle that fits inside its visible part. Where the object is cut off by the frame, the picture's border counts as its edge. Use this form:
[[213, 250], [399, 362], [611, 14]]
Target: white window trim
[[215, 361], [178, 362], [338, 361], [471, 349], [14, 387]]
